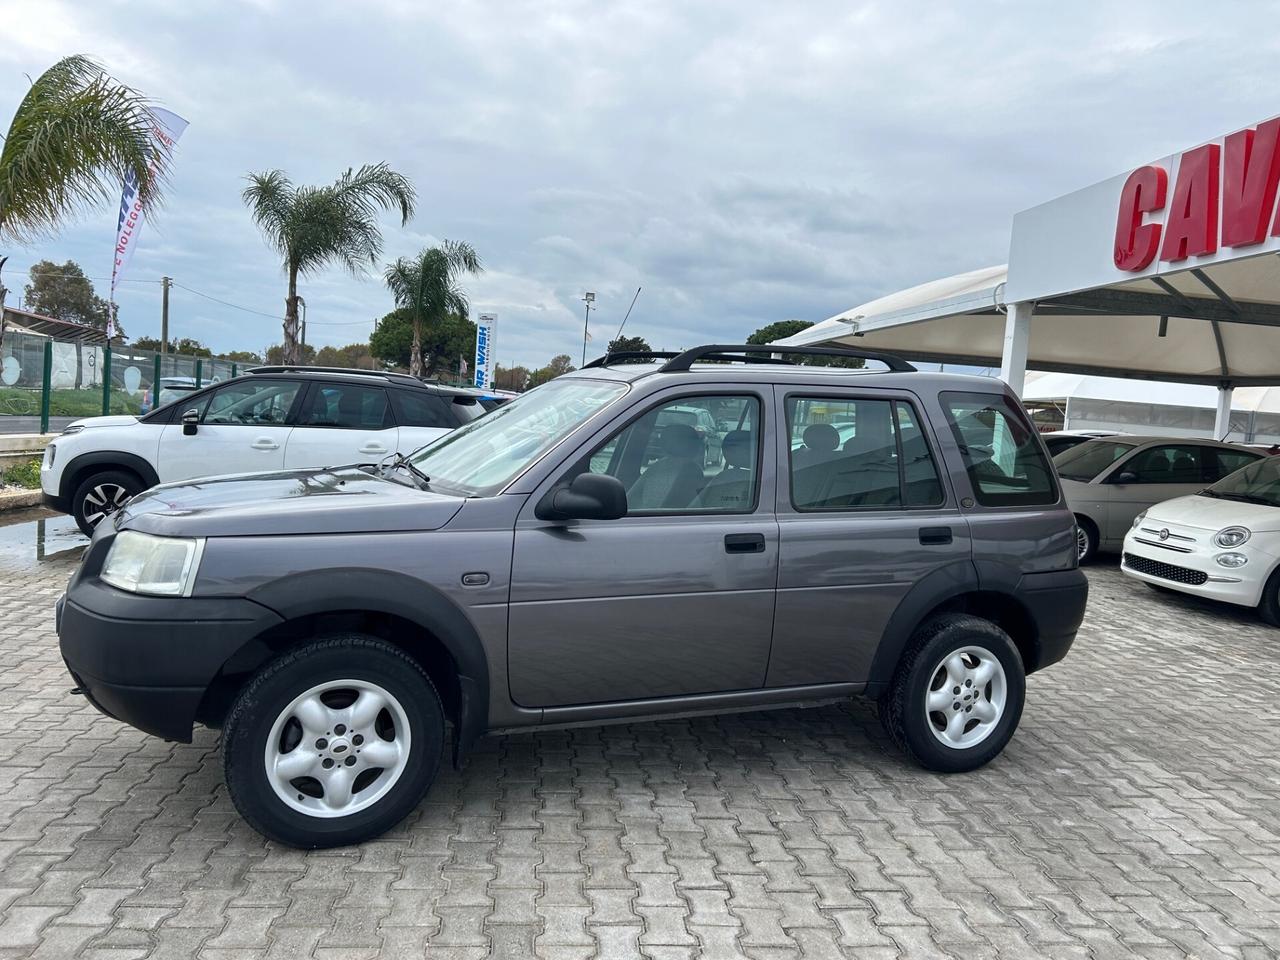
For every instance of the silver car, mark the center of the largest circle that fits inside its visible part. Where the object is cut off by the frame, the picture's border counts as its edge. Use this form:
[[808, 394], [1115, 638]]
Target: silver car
[[1109, 481]]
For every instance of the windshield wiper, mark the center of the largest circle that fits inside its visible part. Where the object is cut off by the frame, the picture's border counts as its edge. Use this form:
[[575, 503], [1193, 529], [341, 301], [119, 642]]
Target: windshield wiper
[[1240, 497], [402, 460]]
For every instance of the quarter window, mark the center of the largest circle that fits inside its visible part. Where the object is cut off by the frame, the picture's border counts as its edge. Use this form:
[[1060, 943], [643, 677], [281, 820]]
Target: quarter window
[[693, 455], [1001, 452], [253, 402], [856, 453]]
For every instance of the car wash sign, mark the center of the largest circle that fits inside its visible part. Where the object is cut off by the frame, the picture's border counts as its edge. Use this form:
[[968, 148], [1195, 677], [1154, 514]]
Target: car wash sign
[[485, 326], [1207, 204]]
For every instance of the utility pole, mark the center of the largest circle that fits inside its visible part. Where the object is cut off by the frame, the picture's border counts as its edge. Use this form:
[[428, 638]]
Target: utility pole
[[588, 298], [165, 283]]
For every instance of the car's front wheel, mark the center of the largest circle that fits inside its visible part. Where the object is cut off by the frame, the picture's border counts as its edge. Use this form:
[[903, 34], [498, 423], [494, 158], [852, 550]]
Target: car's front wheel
[[333, 743], [101, 495], [956, 697]]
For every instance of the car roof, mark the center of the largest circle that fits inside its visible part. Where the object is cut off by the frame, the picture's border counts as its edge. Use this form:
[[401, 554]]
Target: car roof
[[1145, 441], [351, 375]]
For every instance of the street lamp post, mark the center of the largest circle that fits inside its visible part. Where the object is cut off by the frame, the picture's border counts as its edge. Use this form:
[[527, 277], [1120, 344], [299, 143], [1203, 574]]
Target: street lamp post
[[588, 299]]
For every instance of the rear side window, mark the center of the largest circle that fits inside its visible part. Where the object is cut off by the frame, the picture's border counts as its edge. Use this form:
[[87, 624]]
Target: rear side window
[[1229, 461], [422, 409], [345, 406], [1001, 452], [849, 454]]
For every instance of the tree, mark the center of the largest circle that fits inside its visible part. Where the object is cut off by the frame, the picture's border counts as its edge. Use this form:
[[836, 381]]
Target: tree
[[559, 366], [789, 328], [443, 343], [309, 227], [511, 378], [64, 292], [74, 137], [628, 345], [242, 356], [427, 286], [187, 346], [275, 354], [356, 355]]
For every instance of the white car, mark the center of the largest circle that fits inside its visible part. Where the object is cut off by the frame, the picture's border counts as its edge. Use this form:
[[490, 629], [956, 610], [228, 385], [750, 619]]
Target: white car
[[1222, 543], [272, 418]]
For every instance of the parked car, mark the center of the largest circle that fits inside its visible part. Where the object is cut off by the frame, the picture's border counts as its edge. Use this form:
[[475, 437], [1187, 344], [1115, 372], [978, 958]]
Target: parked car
[[171, 388], [1222, 543], [537, 566], [271, 418], [1056, 441], [1109, 481]]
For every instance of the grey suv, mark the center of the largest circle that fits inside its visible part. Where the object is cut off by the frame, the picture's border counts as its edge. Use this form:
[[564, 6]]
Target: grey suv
[[575, 556]]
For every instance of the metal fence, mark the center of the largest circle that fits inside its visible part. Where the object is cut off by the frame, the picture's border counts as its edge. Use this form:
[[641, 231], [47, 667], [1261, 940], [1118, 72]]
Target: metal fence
[[53, 378]]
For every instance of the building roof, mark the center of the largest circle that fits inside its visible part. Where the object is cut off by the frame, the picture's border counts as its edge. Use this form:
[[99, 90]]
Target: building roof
[[52, 327]]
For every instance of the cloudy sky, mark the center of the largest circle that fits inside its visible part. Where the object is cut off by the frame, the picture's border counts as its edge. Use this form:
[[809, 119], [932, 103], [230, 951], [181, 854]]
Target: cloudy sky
[[743, 161]]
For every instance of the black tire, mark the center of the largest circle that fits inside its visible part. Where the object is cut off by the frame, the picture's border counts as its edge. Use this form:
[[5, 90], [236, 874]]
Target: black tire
[[902, 707], [275, 686], [102, 486], [1269, 605], [1087, 530]]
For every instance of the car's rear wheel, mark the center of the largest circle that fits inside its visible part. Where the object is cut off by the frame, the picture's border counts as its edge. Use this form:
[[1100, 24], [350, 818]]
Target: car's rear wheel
[[333, 743], [100, 495], [956, 697], [1086, 540]]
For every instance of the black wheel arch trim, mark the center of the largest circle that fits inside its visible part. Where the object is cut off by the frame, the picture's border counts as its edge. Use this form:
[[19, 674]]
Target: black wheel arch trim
[[397, 594], [106, 460], [943, 584]]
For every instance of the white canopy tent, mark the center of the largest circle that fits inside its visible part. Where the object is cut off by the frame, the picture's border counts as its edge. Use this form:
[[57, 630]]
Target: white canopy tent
[[1076, 299]]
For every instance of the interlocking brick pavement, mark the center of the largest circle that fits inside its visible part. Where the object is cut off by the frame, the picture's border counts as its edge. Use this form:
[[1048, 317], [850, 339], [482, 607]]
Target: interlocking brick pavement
[[1136, 813]]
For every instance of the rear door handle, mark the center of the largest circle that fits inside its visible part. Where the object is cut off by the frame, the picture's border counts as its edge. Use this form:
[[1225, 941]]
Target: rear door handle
[[265, 443], [373, 448], [744, 543], [935, 536]]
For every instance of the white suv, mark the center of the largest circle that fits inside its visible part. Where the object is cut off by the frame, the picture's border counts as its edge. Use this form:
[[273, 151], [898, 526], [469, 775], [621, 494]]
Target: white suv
[[272, 418]]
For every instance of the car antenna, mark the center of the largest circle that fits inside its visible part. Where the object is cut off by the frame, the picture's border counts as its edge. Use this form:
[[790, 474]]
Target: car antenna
[[624, 319]]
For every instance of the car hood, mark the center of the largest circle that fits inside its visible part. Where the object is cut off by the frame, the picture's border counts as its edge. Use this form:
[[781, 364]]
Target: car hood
[[334, 500], [1208, 513], [89, 423]]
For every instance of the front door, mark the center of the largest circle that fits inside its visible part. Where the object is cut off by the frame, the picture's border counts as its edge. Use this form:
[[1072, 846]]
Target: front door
[[244, 427], [676, 598], [863, 516], [1148, 477]]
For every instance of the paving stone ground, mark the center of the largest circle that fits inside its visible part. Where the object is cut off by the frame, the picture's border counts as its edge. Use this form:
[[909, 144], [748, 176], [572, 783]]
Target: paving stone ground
[[1136, 813]]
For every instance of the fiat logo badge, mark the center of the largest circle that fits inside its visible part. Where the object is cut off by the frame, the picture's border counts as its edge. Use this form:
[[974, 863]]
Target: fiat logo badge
[[1164, 534]]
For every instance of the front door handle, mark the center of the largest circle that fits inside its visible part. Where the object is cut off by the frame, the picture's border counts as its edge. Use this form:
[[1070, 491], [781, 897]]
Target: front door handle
[[265, 443], [935, 536], [744, 543]]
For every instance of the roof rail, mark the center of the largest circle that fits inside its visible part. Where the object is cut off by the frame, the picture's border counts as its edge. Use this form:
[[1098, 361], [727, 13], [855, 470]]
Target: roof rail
[[629, 356], [351, 371], [722, 351]]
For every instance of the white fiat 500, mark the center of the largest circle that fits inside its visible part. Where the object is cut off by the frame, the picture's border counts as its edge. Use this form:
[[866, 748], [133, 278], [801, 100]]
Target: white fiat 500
[[1222, 543]]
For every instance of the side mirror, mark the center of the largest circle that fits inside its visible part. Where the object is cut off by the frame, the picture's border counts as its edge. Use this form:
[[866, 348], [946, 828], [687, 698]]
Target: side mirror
[[591, 496], [1125, 476], [190, 421]]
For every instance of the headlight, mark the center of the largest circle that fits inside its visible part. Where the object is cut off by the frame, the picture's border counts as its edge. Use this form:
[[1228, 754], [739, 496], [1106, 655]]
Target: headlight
[[50, 452], [1138, 519], [74, 428], [161, 566], [1231, 560], [1231, 536]]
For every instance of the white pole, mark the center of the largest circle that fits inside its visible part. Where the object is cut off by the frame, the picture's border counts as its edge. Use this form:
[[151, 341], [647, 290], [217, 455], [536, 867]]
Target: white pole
[[1222, 422], [1017, 335]]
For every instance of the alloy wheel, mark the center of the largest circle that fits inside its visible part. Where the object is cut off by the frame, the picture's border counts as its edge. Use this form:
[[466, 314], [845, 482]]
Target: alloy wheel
[[104, 500], [337, 748], [1082, 542], [967, 696]]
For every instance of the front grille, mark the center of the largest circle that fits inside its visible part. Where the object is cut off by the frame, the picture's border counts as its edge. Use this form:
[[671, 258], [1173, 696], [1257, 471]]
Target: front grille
[[1165, 571]]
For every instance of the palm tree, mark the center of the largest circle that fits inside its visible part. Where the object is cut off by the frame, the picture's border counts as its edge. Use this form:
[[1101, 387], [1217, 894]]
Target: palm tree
[[311, 226], [427, 286], [76, 135]]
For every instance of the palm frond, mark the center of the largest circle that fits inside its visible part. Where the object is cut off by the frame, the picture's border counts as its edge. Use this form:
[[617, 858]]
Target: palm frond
[[76, 135]]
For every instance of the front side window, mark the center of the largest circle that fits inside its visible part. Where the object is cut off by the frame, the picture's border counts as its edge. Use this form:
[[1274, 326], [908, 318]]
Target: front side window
[[692, 455], [1085, 461], [1166, 464], [345, 406], [483, 456], [254, 402], [858, 454], [1001, 452]]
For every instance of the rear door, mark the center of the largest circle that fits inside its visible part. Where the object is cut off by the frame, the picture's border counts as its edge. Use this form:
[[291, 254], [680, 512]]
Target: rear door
[[863, 515], [341, 423], [244, 427]]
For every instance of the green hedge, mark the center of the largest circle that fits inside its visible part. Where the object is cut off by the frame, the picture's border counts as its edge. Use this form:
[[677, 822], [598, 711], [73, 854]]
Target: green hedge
[[25, 474]]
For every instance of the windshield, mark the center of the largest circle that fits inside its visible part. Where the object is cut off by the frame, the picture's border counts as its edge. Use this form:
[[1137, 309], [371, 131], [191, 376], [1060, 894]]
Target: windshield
[[483, 456], [1086, 460], [1259, 482]]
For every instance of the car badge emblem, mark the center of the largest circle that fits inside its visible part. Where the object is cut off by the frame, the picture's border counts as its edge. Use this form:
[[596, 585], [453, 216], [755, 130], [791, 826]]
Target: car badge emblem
[[1164, 534]]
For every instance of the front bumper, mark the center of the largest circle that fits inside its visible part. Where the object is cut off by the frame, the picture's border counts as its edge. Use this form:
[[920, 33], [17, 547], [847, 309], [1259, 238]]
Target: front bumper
[[1191, 555], [149, 660]]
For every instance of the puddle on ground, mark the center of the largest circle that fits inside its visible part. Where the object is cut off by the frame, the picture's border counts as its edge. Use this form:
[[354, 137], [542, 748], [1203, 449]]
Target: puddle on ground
[[29, 538]]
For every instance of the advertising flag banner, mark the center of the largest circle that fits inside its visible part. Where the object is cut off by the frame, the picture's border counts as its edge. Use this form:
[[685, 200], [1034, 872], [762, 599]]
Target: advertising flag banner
[[169, 127], [485, 326]]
